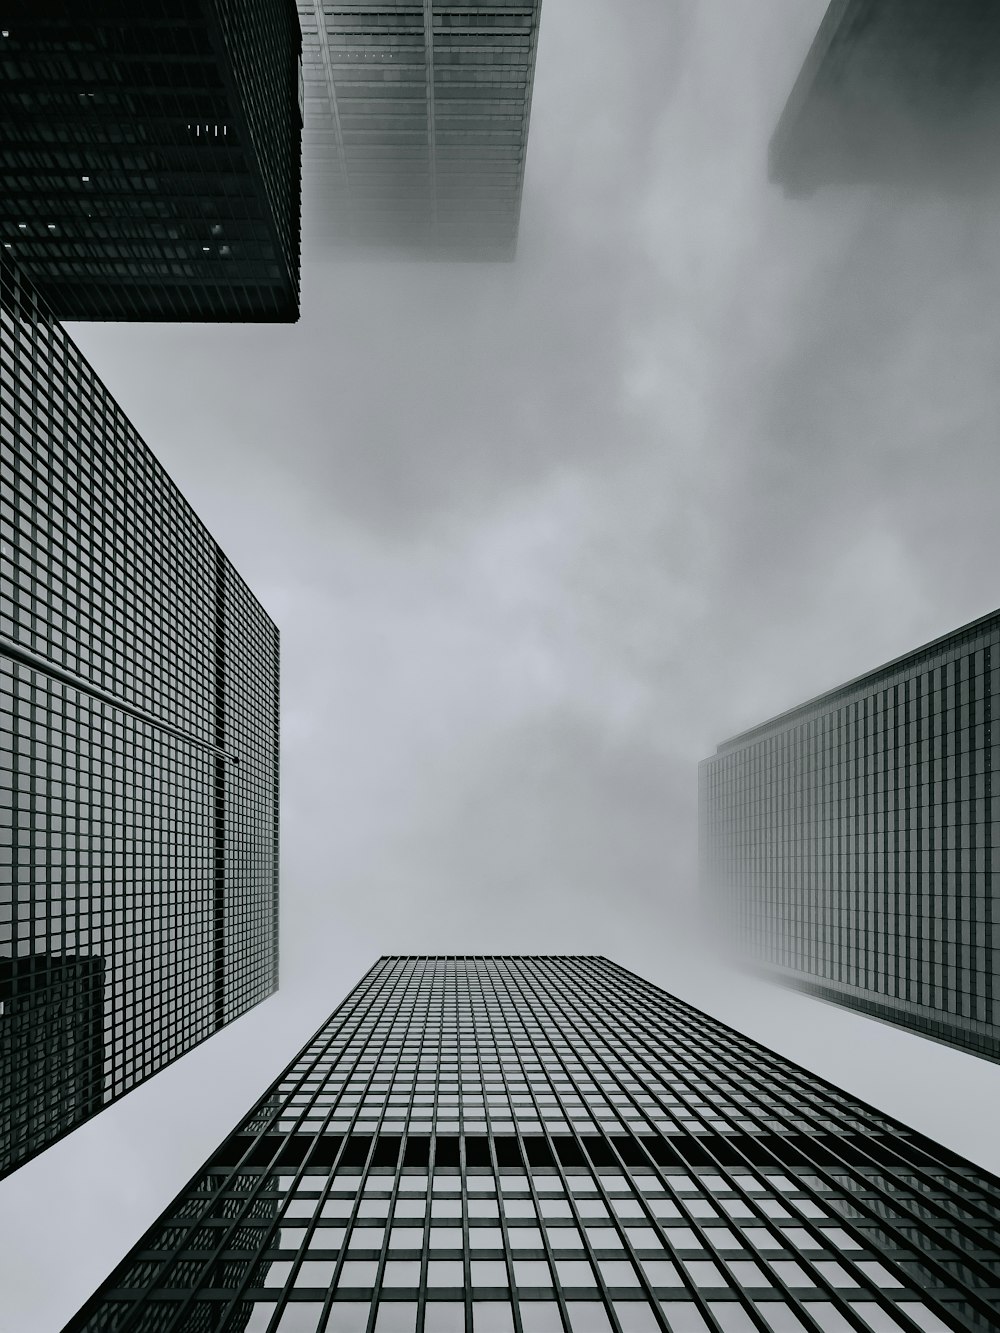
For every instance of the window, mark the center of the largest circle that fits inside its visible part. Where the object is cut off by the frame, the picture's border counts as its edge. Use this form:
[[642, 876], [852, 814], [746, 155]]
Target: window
[[492, 1317], [489, 1273], [401, 1273], [683, 1317], [588, 1317], [445, 1273], [392, 1317], [302, 1317], [732, 1317], [573, 1273], [358, 1274], [444, 1317], [618, 1273], [540, 1317]]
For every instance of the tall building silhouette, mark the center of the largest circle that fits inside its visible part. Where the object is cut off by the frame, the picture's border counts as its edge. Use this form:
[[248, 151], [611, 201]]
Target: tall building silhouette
[[150, 156], [895, 91], [138, 751], [533, 1144], [849, 843], [417, 125]]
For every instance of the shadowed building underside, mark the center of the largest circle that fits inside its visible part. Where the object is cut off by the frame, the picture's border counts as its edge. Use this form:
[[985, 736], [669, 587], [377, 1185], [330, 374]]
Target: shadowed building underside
[[895, 91], [416, 126], [150, 156]]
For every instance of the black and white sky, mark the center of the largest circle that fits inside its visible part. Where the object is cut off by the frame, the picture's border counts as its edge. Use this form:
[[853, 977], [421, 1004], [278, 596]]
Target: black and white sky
[[538, 536]]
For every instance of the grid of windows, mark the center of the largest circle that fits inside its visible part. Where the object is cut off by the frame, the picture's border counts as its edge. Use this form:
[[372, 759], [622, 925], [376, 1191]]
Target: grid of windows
[[894, 89], [416, 115], [51, 1046], [850, 841], [532, 1145], [150, 156], [138, 748]]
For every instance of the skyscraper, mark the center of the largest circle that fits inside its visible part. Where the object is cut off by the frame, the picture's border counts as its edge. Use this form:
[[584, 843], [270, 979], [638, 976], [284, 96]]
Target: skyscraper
[[849, 842], [138, 752], [527, 1145], [895, 91], [149, 156], [417, 125]]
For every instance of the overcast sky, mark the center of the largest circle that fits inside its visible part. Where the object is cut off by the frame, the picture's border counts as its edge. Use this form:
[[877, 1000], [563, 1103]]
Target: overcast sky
[[538, 536]]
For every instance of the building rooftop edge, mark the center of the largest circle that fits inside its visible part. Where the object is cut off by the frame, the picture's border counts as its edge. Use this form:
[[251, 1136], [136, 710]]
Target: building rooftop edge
[[781, 143], [489, 957], [789, 714]]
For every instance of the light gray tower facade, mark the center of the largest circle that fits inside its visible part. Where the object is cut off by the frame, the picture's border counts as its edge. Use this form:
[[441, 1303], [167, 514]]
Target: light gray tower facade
[[416, 125], [552, 1145], [850, 844]]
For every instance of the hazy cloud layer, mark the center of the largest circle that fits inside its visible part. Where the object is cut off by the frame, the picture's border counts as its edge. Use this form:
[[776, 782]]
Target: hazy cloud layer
[[539, 536]]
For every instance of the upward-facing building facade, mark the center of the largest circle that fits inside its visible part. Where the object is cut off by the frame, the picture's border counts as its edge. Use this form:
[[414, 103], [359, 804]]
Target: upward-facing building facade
[[533, 1145], [150, 156], [851, 843], [138, 752], [904, 92], [416, 116]]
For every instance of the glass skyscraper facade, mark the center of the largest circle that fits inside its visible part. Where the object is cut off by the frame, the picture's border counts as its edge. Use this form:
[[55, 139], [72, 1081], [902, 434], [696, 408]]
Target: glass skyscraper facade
[[138, 751], [150, 156], [895, 91], [540, 1144], [849, 842], [416, 124]]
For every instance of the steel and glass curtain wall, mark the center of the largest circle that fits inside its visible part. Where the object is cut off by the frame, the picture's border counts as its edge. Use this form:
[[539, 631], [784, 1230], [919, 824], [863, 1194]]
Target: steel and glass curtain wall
[[540, 1144], [895, 91], [138, 752], [150, 156], [849, 843], [416, 116]]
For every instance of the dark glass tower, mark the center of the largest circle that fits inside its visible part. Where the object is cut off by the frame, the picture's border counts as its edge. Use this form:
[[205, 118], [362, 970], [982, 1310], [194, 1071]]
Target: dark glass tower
[[51, 1047], [532, 1145], [417, 124], [849, 842], [138, 752], [895, 91], [149, 156]]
